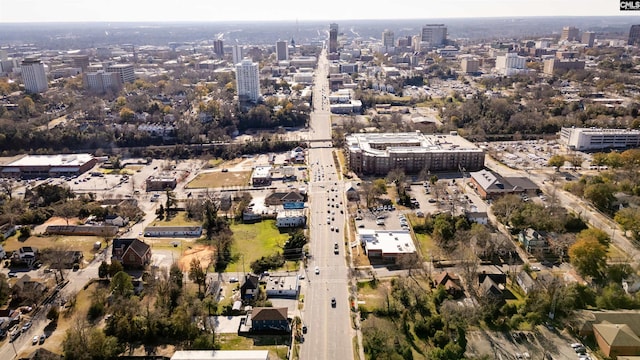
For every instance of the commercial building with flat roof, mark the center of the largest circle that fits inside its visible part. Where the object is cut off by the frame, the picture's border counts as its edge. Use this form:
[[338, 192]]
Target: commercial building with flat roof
[[33, 166], [378, 153], [585, 139], [386, 245], [221, 355]]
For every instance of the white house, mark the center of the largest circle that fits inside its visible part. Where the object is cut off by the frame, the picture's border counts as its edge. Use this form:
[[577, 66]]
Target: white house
[[116, 220]]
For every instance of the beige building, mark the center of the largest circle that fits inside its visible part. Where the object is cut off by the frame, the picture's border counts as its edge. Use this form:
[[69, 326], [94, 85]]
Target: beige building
[[379, 153], [470, 65], [551, 66]]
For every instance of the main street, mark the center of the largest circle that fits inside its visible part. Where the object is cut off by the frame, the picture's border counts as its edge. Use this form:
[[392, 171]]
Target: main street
[[329, 331]]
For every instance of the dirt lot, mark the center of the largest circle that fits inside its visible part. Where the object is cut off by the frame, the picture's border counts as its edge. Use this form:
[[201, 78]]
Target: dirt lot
[[219, 179], [203, 253]]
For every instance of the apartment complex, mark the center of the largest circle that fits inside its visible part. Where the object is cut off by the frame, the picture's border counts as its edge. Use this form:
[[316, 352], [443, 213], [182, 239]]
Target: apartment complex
[[33, 75], [470, 65], [101, 81], [248, 81], [510, 64], [236, 53], [551, 66], [378, 153], [585, 139], [218, 47]]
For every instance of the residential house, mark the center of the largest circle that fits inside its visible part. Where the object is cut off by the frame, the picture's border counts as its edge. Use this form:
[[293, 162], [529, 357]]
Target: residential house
[[525, 281], [351, 192], [132, 253], [8, 318], [173, 231], [250, 289], [63, 259], [269, 319], [490, 289], [27, 289], [26, 255], [479, 217], [490, 185], [450, 282], [116, 220], [533, 240]]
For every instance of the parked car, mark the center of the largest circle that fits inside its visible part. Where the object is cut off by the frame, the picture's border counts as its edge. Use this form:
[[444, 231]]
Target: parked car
[[35, 340], [317, 270], [333, 302]]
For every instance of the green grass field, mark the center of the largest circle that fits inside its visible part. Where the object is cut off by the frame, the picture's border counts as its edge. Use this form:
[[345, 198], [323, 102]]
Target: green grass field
[[179, 220], [220, 179], [253, 241]]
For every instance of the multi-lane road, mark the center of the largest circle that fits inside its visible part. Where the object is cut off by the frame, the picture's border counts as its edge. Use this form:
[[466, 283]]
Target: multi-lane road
[[330, 335]]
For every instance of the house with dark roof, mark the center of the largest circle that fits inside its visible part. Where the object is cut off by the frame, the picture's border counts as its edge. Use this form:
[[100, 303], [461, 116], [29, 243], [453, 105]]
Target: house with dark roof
[[250, 287], [490, 289], [533, 240], [450, 282], [269, 319], [132, 253], [491, 185], [279, 198]]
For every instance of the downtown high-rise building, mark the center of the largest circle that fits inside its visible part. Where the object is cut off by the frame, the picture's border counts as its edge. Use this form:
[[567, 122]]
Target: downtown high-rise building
[[282, 50], [434, 34], [333, 38], [33, 75], [124, 71], [634, 35], [218, 47], [236, 53], [570, 33], [388, 38], [588, 38], [248, 81]]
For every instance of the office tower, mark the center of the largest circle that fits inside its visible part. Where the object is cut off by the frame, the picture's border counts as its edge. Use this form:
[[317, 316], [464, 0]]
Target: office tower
[[510, 64], [80, 61], [588, 38], [282, 50], [634, 35], [470, 65], [247, 81], [333, 38], [125, 71], [218, 47], [434, 34], [33, 75], [387, 38], [236, 53], [3, 55], [569, 33]]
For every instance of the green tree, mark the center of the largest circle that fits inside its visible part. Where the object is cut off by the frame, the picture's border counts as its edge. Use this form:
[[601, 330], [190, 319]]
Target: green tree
[[629, 220], [103, 270], [121, 284], [556, 160], [197, 274], [594, 234], [53, 314], [600, 195], [5, 289], [115, 267], [380, 187], [83, 342], [589, 257]]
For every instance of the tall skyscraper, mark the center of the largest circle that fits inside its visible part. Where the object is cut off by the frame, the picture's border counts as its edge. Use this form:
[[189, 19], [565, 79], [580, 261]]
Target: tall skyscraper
[[387, 38], [33, 75], [588, 38], [81, 61], [333, 38], [634, 35], [282, 50], [247, 81], [218, 47], [569, 33], [434, 34], [236, 53]]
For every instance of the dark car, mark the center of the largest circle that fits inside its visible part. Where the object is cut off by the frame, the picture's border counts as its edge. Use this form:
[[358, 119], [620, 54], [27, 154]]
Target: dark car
[[333, 302]]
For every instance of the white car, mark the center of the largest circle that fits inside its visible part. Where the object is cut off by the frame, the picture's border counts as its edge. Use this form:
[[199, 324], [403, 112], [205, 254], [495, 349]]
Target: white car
[[317, 270]]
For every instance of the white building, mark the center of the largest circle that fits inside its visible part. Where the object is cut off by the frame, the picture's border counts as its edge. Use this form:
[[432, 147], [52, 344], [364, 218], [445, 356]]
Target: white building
[[387, 38], [125, 71], [388, 245], [290, 218], [221, 355], [510, 64], [248, 81], [33, 75], [282, 50], [583, 139]]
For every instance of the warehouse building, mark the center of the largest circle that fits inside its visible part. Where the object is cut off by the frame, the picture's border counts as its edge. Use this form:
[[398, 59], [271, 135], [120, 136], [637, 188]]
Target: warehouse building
[[44, 166]]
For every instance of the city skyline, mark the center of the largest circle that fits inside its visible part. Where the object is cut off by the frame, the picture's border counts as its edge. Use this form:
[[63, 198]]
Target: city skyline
[[330, 10]]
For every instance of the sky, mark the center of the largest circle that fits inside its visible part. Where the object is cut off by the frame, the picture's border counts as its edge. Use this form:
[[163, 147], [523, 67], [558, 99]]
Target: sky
[[291, 10]]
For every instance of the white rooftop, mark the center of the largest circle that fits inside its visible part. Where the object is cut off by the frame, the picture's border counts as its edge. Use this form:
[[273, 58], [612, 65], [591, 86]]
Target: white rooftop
[[261, 172], [387, 241], [381, 144], [53, 160]]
